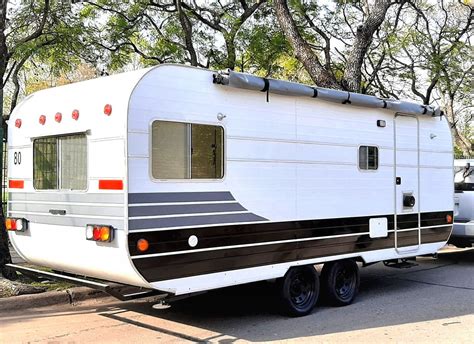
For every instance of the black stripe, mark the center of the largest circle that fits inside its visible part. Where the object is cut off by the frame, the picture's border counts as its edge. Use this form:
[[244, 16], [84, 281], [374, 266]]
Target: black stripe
[[184, 209], [228, 235], [464, 186], [198, 263], [165, 197]]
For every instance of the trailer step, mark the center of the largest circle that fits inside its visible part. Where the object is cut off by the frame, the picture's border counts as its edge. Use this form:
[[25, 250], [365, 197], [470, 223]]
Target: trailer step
[[122, 292], [399, 263]]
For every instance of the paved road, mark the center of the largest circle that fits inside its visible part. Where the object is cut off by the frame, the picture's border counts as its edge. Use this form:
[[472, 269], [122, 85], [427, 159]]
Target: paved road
[[433, 302]]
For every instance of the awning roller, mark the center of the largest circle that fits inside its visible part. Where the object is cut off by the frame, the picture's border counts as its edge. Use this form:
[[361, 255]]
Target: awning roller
[[255, 83]]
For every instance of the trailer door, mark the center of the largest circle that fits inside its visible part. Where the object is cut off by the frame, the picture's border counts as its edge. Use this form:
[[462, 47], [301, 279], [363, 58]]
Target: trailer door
[[407, 235]]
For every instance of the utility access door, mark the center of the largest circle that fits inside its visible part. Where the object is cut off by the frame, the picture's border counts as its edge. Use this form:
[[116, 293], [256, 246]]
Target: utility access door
[[407, 183]]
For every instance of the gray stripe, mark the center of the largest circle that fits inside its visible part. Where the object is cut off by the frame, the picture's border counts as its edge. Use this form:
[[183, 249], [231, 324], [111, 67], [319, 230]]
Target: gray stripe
[[193, 220], [184, 209], [70, 209], [115, 198], [167, 197], [69, 221]]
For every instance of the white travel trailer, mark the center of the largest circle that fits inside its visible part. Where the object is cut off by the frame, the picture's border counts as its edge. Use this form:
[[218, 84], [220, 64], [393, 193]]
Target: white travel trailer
[[182, 180], [463, 231]]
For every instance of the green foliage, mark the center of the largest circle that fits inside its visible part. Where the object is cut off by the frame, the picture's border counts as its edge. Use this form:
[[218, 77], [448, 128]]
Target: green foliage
[[418, 45]]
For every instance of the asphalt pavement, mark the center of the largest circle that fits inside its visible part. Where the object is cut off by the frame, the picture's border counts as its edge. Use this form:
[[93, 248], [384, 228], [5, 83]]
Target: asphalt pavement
[[432, 302]]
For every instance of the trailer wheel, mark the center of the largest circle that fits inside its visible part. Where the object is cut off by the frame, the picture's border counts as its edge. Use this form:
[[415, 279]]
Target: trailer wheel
[[298, 291], [340, 282]]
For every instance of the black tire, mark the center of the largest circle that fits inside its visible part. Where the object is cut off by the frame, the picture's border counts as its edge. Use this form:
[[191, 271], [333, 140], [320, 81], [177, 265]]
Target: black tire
[[340, 282], [298, 291]]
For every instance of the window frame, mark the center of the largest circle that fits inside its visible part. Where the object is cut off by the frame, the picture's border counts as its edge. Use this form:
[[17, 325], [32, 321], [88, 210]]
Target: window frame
[[58, 163], [358, 158], [187, 180]]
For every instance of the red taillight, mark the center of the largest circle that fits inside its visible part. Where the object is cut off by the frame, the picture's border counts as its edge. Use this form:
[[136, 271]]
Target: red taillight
[[42, 119], [105, 184], [58, 117], [16, 225], [75, 115], [16, 184], [18, 123], [99, 233], [108, 109]]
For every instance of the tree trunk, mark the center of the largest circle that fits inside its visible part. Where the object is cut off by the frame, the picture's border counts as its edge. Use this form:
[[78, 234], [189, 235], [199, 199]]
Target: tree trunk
[[459, 139], [231, 54], [302, 49], [5, 257], [188, 33], [363, 39]]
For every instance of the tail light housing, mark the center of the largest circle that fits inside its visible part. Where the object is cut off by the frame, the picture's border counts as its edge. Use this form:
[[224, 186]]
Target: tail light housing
[[100, 233], [16, 224]]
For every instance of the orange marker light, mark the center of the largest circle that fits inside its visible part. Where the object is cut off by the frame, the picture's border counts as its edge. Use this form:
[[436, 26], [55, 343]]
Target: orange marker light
[[142, 245], [449, 219], [105, 233]]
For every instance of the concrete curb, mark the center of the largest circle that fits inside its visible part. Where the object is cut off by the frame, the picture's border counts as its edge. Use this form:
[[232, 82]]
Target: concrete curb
[[68, 296]]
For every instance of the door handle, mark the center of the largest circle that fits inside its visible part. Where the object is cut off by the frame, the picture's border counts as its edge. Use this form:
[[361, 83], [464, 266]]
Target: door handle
[[57, 211]]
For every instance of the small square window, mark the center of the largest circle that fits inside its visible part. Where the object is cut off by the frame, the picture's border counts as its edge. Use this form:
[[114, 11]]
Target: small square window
[[60, 163], [368, 158]]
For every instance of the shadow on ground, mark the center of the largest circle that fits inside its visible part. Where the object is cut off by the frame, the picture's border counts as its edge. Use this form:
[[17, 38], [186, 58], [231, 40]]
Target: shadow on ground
[[439, 288]]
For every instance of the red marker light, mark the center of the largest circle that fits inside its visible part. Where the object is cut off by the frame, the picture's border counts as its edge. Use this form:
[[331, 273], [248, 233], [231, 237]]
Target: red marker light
[[106, 184], [58, 117], [108, 109], [42, 119], [16, 184], [18, 123], [75, 115]]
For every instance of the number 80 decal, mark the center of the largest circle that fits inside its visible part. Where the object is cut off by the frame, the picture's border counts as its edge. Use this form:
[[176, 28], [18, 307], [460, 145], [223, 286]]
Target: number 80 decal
[[17, 158]]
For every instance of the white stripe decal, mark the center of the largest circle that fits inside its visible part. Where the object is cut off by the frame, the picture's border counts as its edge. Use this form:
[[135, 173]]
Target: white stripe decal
[[270, 243], [117, 205], [64, 216]]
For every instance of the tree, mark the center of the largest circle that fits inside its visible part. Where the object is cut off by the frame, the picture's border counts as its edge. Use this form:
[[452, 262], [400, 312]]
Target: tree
[[44, 29], [429, 57], [321, 72], [176, 31]]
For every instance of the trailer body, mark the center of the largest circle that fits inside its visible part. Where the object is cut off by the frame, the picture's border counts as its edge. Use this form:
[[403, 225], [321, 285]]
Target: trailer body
[[207, 185]]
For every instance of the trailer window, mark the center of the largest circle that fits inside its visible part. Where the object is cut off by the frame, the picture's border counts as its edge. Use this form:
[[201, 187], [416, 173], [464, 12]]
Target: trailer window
[[368, 158], [187, 151], [60, 163]]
